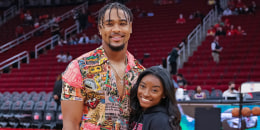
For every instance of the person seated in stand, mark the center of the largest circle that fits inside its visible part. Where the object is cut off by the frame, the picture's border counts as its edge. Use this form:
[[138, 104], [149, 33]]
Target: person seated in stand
[[227, 12], [226, 22], [84, 39], [232, 31], [95, 39], [220, 32], [181, 94], [181, 19], [240, 7], [217, 25], [61, 57], [232, 5], [240, 31], [226, 25], [252, 8], [36, 24], [199, 94], [19, 31], [211, 31], [150, 13], [73, 40], [197, 14], [62, 42], [68, 57], [231, 92], [43, 17], [182, 90], [55, 29], [28, 18], [181, 81], [153, 103]]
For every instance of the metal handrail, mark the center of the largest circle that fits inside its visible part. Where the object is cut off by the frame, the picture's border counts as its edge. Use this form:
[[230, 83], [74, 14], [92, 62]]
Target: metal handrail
[[9, 13], [17, 58], [181, 51], [21, 39], [198, 34], [73, 27], [191, 36], [69, 30], [45, 43], [28, 35]]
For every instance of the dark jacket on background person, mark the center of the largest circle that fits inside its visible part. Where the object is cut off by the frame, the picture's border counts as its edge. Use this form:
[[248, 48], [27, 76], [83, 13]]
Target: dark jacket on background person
[[217, 47], [173, 55], [57, 89], [154, 118], [173, 60]]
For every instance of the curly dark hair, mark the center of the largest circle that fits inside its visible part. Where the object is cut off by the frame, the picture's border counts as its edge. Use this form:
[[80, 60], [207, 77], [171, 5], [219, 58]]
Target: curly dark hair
[[127, 12], [169, 102]]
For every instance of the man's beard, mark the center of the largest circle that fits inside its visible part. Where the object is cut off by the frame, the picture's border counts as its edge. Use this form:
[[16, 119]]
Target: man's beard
[[118, 48]]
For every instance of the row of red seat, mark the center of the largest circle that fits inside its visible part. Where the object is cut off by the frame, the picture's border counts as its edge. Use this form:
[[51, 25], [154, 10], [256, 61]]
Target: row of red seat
[[238, 60], [8, 29]]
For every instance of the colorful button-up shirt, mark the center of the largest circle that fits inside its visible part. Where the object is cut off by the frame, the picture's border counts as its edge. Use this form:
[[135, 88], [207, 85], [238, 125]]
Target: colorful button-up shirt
[[90, 79]]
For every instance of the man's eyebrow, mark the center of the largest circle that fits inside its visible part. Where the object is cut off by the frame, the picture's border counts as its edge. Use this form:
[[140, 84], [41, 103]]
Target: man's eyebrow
[[121, 20], [108, 20]]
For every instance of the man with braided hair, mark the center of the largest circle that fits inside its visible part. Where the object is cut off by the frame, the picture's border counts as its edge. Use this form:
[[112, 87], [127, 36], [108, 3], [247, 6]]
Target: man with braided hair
[[96, 85]]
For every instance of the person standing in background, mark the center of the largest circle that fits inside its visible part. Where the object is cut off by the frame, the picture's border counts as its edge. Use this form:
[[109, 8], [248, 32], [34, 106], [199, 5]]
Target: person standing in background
[[216, 49], [57, 89]]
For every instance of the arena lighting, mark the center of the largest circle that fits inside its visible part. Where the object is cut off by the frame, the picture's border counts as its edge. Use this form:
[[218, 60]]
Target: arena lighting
[[250, 87]]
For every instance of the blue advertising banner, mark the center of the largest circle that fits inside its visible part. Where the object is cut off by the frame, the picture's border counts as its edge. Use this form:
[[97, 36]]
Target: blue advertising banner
[[228, 122]]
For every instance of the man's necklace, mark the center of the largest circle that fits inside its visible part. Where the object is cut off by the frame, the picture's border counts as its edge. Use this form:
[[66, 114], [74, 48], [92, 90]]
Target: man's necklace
[[121, 77]]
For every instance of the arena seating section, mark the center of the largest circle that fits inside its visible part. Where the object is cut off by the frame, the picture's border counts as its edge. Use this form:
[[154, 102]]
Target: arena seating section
[[238, 60], [155, 35], [8, 28], [29, 45]]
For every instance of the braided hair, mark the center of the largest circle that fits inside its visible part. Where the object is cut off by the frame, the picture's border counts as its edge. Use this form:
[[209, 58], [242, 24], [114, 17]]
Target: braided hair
[[118, 6]]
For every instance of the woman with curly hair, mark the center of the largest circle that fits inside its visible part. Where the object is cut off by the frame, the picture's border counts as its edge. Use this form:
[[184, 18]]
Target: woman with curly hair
[[153, 103]]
